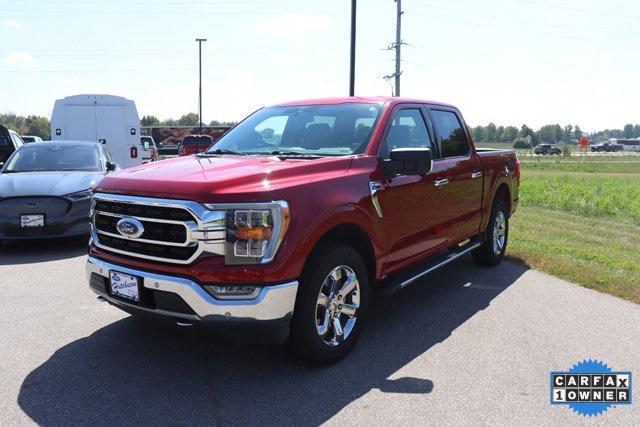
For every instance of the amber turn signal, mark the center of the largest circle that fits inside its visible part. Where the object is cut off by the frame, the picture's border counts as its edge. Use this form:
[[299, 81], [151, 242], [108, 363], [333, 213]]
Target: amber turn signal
[[253, 233]]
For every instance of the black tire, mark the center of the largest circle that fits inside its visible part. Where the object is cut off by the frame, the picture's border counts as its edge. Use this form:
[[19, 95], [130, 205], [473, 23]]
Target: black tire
[[486, 254], [305, 339]]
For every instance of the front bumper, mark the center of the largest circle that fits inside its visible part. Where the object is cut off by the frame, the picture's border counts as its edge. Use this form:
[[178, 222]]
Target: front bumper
[[180, 298]]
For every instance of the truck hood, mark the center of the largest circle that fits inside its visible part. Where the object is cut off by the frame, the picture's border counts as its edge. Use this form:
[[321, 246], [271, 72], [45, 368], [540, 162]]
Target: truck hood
[[46, 183], [225, 177]]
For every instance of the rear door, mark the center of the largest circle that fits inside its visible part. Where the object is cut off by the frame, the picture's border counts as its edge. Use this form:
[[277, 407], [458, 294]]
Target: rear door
[[80, 123], [460, 174], [411, 206], [110, 129]]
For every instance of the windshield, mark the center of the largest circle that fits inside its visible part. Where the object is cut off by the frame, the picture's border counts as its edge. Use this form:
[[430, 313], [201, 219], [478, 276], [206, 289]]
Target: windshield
[[54, 157], [320, 130]]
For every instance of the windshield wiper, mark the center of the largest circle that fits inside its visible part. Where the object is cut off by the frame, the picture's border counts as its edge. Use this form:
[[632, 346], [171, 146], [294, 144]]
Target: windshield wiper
[[221, 151], [281, 153]]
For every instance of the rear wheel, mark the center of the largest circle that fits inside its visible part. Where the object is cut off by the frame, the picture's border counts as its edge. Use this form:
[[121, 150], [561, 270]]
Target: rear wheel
[[331, 306], [495, 243]]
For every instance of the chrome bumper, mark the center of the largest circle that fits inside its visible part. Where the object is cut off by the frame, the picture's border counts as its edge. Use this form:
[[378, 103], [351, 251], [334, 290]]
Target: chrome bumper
[[274, 302]]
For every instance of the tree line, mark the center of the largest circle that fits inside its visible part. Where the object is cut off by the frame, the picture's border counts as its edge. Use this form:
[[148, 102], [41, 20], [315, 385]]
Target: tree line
[[40, 126], [571, 134], [190, 119], [552, 134]]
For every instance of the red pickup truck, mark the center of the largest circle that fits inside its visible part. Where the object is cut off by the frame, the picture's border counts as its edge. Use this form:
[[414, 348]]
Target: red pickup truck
[[298, 215]]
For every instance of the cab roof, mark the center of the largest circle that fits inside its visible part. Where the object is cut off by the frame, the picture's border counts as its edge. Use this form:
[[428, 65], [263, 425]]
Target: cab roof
[[382, 100]]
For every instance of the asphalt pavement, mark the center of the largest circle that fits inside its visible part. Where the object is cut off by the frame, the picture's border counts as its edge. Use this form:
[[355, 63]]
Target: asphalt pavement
[[465, 346]]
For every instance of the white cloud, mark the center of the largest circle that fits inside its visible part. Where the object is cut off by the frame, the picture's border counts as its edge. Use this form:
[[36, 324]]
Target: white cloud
[[293, 23], [10, 23], [22, 59]]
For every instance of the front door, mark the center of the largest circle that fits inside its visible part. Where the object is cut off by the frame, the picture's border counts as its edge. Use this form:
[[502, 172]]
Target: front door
[[411, 206]]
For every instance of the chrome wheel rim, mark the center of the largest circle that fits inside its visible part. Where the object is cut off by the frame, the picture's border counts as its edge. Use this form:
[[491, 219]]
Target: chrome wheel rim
[[337, 305], [499, 233]]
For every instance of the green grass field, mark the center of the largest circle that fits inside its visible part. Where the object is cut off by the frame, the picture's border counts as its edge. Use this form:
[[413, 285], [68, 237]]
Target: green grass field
[[581, 221]]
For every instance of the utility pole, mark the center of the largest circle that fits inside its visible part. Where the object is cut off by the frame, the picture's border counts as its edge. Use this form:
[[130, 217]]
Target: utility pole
[[352, 65], [396, 46], [200, 82]]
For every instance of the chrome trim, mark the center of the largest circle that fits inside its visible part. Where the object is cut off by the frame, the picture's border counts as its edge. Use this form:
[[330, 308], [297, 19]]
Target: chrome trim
[[207, 230], [441, 182], [477, 174], [374, 188], [451, 258], [274, 302]]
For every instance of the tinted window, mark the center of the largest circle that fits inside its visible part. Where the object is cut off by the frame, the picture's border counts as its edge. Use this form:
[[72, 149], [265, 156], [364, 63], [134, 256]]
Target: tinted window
[[454, 140], [197, 140], [407, 130], [4, 142]]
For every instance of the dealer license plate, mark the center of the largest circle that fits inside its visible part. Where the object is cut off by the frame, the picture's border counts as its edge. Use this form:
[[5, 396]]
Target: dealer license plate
[[124, 286], [30, 221]]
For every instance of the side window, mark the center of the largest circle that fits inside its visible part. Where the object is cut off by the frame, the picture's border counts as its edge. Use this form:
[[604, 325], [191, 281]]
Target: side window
[[16, 139], [454, 139], [407, 130]]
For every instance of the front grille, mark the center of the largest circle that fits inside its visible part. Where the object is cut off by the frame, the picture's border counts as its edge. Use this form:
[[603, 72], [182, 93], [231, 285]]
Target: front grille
[[149, 249], [175, 231], [162, 232], [144, 211]]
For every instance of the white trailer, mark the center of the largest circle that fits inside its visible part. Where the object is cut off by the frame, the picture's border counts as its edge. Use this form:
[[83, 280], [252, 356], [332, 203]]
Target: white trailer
[[111, 120]]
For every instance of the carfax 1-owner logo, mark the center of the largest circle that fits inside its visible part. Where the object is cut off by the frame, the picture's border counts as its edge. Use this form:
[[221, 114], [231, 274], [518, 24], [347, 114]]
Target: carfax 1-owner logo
[[591, 388]]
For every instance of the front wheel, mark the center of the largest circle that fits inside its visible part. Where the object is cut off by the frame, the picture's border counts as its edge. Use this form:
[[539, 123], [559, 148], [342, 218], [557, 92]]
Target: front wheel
[[331, 306], [495, 242]]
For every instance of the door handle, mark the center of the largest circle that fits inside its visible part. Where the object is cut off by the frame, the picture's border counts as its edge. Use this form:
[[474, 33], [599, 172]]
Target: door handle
[[476, 174], [440, 182]]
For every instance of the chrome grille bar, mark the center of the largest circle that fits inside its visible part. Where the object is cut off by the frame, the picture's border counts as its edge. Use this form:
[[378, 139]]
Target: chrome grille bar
[[206, 231]]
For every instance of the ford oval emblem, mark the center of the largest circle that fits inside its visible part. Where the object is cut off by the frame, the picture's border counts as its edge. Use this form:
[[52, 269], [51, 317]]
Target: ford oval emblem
[[130, 227]]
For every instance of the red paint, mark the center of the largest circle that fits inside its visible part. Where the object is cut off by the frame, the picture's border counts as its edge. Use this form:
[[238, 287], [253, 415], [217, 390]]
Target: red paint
[[419, 219]]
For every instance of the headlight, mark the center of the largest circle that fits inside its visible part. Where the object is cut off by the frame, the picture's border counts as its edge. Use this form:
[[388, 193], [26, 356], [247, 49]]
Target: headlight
[[84, 194], [254, 230]]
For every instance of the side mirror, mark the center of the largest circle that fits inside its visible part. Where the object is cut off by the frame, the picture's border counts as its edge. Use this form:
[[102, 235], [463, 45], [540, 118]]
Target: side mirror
[[111, 166], [408, 161]]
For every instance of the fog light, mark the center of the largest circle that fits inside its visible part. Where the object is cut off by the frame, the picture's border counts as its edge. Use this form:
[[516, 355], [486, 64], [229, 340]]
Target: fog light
[[233, 291]]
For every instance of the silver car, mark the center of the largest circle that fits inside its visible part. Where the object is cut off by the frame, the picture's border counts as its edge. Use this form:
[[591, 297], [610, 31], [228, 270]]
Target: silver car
[[45, 188]]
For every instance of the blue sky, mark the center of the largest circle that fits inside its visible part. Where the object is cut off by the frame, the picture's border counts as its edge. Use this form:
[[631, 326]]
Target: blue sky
[[510, 61]]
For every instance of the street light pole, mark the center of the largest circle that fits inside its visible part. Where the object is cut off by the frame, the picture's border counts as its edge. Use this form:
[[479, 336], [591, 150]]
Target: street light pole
[[200, 82], [352, 68]]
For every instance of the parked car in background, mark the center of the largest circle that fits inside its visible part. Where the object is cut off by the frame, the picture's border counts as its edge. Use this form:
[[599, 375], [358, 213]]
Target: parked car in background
[[149, 149], [30, 138], [193, 144], [607, 147], [45, 188], [292, 230], [543, 149], [632, 145], [10, 141]]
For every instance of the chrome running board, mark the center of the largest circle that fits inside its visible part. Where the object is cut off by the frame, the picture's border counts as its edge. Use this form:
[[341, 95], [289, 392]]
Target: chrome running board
[[396, 283]]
